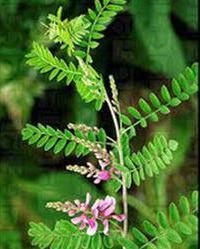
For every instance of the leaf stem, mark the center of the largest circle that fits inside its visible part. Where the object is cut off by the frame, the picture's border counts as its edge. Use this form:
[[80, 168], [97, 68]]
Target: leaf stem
[[92, 30], [146, 117]]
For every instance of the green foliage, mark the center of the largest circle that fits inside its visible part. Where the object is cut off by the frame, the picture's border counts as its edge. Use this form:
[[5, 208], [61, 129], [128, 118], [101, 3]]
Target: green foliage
[[78, 36], [181, 89], [88, 83], [100, 18], [168, 231], [49, 138], [153, 158], [66, 235], [81, 34], [42, 59], [68, 33]]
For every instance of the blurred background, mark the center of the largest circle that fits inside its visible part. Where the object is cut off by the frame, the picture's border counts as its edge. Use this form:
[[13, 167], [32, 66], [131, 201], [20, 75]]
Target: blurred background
[[151, 42]]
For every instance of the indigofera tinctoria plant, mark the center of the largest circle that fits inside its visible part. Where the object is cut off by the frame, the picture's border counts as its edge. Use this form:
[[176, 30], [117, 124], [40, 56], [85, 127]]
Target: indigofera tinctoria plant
[[96, 223]]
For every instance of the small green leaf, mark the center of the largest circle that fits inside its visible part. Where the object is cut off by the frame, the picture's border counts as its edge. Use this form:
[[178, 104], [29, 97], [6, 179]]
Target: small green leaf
[[60, 145], [174, 213], [162, 219], [150, 228], [173, 236], [128, 244], [143, 123], [125, 120], [154, 100], [108, 242], [176, 88], [85, 241], [144, 106], [42, 141], [164, 110], [183, 228], [91, 136], [175, 102], [128, 179], [96, 242], [173, 145], [139, 235], [134, 112], [68, 134], [69, 148], [98, 5], [165, 93], [136, 176], [195, 197], [34, 138], [184, 204], [121, 168], [101, 135], [92, 14], [52, 141]]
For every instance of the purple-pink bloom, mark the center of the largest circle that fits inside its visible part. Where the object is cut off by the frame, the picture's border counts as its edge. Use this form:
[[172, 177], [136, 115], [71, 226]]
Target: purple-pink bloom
[[103, 210], [103, 175]]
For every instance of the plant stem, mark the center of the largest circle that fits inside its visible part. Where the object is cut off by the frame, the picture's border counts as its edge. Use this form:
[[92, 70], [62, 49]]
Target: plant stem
[[121, 159]]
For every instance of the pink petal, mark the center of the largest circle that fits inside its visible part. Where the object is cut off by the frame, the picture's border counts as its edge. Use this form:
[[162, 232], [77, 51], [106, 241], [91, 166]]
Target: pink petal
[[82, 226], [96, 204], [79, 219], [108, 211], [106, 227], [93, 226], [72, 212], [120, 217], [97, 181], [108, 201], [104, 175]]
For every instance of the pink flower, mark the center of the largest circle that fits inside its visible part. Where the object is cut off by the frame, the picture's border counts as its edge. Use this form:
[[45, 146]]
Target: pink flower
[[103, 175], [105, 210], [93, 226], [102, 211]]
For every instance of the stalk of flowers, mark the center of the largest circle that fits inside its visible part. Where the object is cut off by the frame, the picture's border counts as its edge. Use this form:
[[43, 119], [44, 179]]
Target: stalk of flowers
[[107, 168], [90, 217], [82, 127]]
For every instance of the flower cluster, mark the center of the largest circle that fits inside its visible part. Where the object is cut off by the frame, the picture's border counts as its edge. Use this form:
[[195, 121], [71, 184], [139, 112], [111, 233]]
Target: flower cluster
[[90, 217], [106, 171]]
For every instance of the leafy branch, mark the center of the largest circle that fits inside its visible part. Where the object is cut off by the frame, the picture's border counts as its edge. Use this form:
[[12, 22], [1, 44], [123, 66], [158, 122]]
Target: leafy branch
[[182, 222], [182, 88], [88, 83], [100, 18], [66, 235], [49, 138], [156, 156]]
